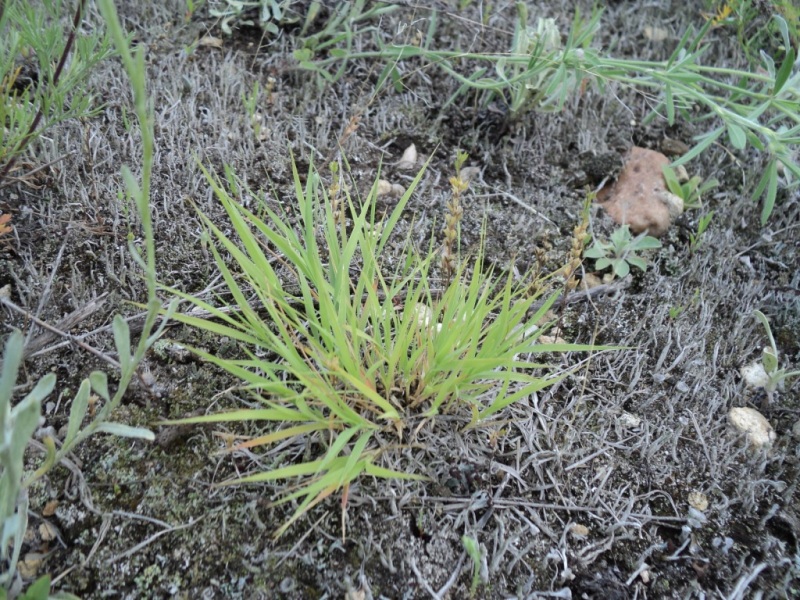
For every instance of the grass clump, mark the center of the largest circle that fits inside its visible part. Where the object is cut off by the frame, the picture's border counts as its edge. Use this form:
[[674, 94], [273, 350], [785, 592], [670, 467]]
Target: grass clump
[[357, 345]]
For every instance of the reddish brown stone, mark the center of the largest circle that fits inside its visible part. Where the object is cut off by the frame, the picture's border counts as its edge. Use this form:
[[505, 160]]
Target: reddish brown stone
[[640, 197]]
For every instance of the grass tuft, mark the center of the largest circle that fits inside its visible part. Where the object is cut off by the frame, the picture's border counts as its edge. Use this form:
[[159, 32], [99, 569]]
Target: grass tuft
[[358, 346]]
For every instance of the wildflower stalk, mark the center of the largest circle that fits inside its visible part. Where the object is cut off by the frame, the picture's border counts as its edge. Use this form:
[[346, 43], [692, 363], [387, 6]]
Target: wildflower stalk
[[334, 193], [575, 255], [459, 184]]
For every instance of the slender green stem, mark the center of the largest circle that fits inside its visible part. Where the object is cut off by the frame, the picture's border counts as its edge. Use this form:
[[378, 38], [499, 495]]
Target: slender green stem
[[135, 67]]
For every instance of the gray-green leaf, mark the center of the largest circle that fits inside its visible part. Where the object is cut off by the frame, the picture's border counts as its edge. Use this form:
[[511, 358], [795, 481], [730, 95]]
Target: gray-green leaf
[[737, 136], [99, 382], [122, 340], [123, 430], [77, 411]]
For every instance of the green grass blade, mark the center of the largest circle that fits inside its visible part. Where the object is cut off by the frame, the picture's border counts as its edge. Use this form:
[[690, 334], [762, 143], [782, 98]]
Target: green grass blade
[[244, 415], [771, 177]]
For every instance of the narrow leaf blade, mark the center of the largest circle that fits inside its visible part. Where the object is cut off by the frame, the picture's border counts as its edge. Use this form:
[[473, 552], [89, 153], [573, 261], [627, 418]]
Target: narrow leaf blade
[[785, 70], [99, 381], [122, 341], [737, 136], [122, 430], [77, 411]]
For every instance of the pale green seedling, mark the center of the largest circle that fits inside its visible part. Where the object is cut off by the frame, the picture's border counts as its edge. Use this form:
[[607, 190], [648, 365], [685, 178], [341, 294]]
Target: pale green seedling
[[702, 225], [776, 377], [476, 554], [691, 191], [620, 253]]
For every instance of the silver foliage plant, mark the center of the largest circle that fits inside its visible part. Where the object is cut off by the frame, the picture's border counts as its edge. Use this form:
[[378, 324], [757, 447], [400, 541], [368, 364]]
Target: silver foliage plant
[[19, 423], [17, 427]]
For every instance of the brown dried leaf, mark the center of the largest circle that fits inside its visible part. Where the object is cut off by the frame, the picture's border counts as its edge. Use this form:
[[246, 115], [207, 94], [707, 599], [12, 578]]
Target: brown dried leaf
[[47, 531], [50, 508]]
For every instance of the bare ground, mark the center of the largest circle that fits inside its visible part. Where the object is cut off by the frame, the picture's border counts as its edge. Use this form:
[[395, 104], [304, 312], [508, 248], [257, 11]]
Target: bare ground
[[139, 520]]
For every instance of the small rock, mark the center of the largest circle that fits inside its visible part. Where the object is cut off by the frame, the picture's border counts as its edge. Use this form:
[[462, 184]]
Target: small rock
[[640, 197], [754, 375], [146, 377], [384, 188], [424, 314], [47, 531], [579, 530], [394, 190], [628, 420], [672, 147], [655, 34], [673, 203], [590, 281], [50, 508], [210, 41], [409, 159], [550, 339], [698, 500], [28, 567], [468, 173], [752, 423]]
